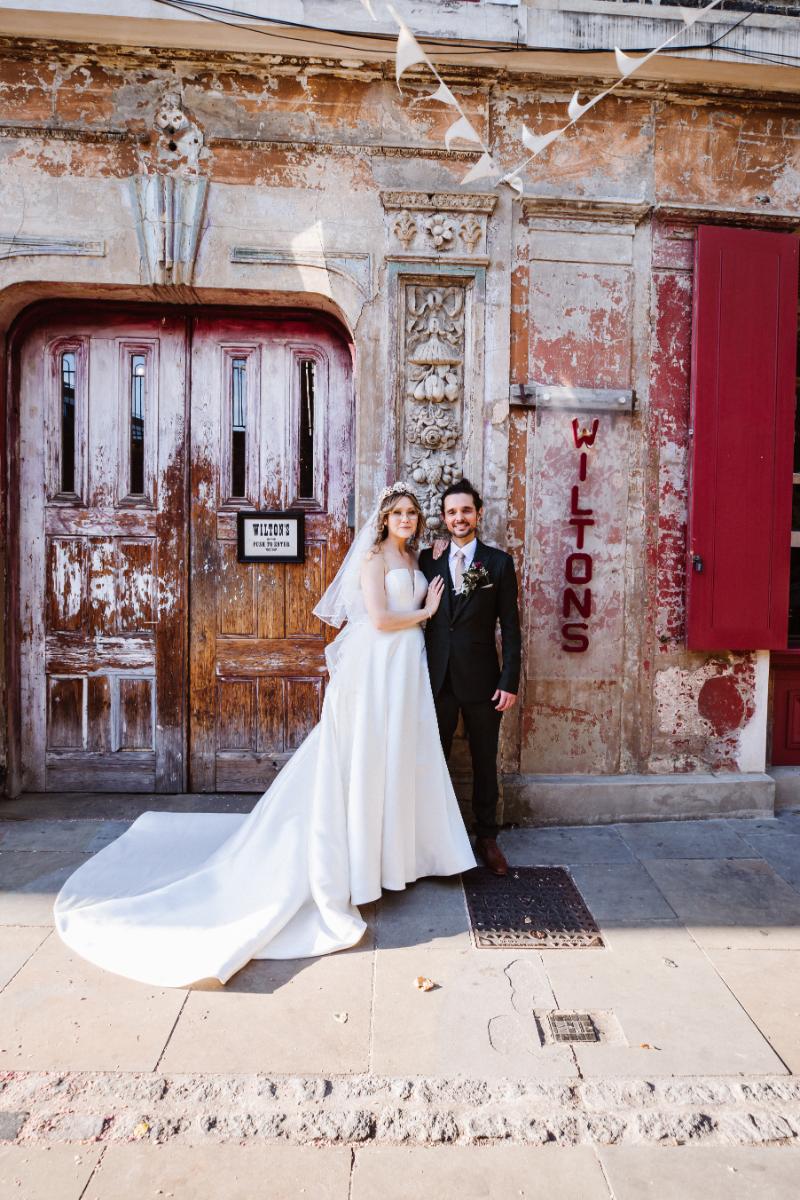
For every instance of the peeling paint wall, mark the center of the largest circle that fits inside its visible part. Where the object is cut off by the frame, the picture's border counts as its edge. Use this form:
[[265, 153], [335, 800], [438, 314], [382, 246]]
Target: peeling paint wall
[[703, 705], [587, 283], [596, 305]]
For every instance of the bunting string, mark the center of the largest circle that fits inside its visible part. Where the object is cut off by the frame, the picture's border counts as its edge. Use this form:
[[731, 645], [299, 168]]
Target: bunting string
[[626, 65], [409, 54]]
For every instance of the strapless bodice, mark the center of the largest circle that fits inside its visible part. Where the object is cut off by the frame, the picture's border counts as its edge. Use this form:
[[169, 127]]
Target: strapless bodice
[[405, 590]]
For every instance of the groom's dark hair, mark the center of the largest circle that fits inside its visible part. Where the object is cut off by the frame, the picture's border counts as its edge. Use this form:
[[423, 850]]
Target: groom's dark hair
[[463, 488]]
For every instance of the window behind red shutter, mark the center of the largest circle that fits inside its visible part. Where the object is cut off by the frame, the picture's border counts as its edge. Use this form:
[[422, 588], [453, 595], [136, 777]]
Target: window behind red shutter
[[743, 400]]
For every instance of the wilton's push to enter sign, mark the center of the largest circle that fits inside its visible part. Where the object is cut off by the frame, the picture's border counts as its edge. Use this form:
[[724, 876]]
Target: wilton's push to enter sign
[[277, 537]]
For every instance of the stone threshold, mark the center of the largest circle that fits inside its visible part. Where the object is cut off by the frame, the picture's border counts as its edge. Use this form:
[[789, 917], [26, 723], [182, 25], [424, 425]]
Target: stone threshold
[[609, 799], [45, 1108]]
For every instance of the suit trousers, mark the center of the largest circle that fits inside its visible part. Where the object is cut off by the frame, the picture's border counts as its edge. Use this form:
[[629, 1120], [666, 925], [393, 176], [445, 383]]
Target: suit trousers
[[482, 723]]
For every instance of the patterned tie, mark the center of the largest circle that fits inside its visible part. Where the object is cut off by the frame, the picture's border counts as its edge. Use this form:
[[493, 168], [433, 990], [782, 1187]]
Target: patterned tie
[[458, 569]]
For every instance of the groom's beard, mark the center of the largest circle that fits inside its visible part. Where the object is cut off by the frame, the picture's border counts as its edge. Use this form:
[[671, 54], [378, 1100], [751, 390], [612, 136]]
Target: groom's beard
[[463, 539]]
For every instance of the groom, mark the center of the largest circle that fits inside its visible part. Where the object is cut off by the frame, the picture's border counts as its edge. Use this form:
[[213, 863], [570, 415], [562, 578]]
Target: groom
[[480, 590]]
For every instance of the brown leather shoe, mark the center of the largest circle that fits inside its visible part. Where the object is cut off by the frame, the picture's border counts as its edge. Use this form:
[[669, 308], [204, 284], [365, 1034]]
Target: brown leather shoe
[[491, 855]]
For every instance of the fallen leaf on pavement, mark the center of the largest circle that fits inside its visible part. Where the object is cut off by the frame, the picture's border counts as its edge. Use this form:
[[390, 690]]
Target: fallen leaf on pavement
[[423, 984]]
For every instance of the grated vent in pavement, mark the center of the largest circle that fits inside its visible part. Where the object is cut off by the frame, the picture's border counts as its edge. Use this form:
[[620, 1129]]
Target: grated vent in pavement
[[534, 908], [572, 1027]]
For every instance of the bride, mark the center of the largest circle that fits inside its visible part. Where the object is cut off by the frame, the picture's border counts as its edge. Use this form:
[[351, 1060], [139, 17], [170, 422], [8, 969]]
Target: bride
[[365, 803]]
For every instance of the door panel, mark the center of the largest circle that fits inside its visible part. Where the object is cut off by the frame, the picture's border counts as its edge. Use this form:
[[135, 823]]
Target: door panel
[[271, 428], [141, 634], [103, 543]]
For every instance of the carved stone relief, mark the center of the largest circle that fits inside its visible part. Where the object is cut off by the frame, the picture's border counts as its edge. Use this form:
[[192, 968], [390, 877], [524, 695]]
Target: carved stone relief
[[436, 311], [471, 232], [169, 193], [441, 230], [180, 144], [433, 390], [422, 224], [405, 228], [168, 215]]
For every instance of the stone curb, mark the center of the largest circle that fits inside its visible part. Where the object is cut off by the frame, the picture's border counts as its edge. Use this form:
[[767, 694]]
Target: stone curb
[[48, 1107]]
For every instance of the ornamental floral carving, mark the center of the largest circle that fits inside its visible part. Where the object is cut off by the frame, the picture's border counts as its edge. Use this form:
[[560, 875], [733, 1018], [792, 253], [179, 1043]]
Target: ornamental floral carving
[[433, 385], [437, 223], [471, 232], [441, 230], [431, 428], [406, 228]]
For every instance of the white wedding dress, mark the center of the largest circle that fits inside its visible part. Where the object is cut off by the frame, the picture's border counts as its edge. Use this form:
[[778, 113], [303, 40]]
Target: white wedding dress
[[365, 803]]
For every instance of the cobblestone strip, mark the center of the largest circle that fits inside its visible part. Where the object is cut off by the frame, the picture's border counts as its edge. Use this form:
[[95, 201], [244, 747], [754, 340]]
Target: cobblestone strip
[[48, 1107]]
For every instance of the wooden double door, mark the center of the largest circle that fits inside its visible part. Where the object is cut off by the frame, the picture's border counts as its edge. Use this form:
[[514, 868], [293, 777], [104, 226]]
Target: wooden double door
[[148, 658]]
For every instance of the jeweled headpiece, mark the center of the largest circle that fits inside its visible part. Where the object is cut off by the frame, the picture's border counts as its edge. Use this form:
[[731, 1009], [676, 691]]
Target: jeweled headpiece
[[401, 488]]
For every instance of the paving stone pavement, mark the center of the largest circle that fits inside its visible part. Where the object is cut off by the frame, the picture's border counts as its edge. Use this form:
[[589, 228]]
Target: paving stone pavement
[[335, 1077]]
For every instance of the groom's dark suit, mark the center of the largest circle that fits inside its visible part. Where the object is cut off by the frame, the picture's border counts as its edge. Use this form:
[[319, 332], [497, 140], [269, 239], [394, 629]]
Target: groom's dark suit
[[464, 669]]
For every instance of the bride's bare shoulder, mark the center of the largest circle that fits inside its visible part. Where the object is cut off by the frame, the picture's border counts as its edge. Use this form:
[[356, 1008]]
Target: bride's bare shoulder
[[373, 563]]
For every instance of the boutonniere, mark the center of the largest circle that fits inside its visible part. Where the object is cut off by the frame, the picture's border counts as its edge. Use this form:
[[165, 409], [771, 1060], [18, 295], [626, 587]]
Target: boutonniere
[[474, 577]]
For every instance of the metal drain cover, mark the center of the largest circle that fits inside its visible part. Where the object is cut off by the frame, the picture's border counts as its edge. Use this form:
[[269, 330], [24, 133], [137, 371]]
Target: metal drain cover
[[533, 908], [572, 1027]]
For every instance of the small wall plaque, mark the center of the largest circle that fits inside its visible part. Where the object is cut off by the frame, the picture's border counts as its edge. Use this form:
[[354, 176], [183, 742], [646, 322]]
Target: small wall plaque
[[274, 537]]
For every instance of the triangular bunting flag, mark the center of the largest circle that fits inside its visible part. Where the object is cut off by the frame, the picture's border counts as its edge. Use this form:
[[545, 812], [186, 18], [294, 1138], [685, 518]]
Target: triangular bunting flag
[[461, 129], [409, 52], [627, 65], [444, 94], [576, 109], [536, 142], [481, 170]]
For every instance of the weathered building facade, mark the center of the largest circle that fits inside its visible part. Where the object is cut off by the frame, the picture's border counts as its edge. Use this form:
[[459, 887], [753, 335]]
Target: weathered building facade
[[238, 274]]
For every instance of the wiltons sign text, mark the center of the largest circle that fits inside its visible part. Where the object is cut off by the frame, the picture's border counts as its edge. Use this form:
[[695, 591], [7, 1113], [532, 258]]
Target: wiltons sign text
[[277, 537], [576, 600], [271, 536]]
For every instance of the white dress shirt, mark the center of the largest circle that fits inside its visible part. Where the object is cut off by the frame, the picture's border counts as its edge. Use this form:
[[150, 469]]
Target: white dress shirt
[[469, 553]]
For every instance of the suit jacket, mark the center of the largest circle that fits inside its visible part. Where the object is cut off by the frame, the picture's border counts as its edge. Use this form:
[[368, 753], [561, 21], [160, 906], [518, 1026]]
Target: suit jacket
[[461, 634]]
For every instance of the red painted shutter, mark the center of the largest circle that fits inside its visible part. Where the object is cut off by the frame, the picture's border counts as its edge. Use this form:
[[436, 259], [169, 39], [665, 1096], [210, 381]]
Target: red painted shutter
[[743, 400]]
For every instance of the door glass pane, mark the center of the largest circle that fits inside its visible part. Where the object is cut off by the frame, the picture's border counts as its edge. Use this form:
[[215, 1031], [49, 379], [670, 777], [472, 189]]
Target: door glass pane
[[68, 373], [138, 367], [238, 426], [306, 438]]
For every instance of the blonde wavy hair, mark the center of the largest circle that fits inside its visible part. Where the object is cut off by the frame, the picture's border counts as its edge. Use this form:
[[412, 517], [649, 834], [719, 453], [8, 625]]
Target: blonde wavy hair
[[386, 502]]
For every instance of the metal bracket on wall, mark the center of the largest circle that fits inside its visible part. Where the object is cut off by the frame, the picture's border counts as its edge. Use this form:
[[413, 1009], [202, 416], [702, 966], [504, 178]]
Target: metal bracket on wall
[[544, 395]]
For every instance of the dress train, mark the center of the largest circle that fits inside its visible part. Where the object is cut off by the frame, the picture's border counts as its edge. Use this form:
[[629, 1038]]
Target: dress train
[[365, 803]]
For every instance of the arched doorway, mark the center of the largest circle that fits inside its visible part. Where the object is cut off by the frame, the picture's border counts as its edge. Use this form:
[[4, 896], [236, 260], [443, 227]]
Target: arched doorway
[[148, 657]]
